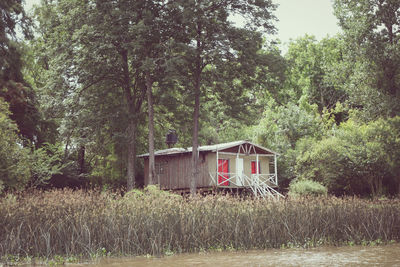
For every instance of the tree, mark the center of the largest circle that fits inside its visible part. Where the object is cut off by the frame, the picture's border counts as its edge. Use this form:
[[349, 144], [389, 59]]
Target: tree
[[312, 71], [12, 16], [13, 157], [357, 159], [371, 35], [213, 49], [281, 129], [22, 166], [13, 87], [99, 64], [158, 30]]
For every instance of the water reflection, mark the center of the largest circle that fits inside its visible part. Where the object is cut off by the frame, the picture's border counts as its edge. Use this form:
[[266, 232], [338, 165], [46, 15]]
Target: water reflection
[[326, 256]]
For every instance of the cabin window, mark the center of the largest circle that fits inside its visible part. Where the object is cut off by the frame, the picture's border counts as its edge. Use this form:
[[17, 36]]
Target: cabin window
[[271, 167], [254, 167], [160, 167]]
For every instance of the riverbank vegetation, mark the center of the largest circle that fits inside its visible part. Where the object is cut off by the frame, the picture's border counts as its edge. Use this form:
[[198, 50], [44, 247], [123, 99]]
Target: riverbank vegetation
[[78, 225]]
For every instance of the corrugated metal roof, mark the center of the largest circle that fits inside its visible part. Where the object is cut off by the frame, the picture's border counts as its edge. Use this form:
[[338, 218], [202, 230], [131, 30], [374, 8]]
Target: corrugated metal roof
[[171, 151]]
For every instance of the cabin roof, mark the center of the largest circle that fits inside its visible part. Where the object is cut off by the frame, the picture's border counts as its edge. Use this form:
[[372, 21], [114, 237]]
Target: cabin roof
[[210, 148]]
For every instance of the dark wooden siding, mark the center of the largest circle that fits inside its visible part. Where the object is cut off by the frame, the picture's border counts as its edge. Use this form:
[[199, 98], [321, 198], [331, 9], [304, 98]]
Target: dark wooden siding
[[178, 170]]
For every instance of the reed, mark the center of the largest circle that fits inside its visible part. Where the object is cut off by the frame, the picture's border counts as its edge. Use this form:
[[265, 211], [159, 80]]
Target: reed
[[88, 224]]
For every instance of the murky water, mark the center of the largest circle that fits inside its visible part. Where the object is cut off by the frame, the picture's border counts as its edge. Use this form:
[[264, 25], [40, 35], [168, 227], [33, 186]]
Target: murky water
[[388, 255]]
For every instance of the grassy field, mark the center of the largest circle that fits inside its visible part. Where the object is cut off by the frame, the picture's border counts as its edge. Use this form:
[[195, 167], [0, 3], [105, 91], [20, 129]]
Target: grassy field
[[78, 224]]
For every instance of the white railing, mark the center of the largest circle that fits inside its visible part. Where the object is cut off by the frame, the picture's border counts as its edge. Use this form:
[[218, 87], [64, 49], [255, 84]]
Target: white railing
[[231, 178], [266, 178], [260, 184], [263, 189]]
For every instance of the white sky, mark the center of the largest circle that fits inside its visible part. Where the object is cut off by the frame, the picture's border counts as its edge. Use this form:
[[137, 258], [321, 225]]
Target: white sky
[[300, 17], [296, 18]]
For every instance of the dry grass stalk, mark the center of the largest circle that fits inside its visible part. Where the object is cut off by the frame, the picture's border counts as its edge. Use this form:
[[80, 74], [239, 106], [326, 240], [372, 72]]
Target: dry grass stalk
[[71, 223]]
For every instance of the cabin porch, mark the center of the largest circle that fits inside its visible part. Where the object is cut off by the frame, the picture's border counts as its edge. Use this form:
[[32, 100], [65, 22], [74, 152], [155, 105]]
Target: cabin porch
[[247, 167]]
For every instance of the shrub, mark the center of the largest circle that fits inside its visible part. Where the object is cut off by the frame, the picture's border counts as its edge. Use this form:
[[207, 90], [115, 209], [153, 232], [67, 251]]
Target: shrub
[[13, 156], [20, 163], [357, 159], [307, 188]]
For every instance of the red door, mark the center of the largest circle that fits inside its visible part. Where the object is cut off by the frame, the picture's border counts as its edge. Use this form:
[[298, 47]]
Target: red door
[[254, 167], [223, 172]]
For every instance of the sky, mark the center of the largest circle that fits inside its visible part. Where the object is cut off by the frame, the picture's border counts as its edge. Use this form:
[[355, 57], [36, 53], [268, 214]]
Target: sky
[[296, 18], [300, 17]]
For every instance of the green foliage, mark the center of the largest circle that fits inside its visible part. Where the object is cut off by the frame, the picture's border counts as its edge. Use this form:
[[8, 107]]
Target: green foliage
[[12, 18], [75, 94], [13, 88], [370, 32], [14, 157], [90, 68], [282, 127], [355, 159], [21, 164], [44, 163], [324, 162], [311, 71], [24, 109], [306, 188], [99, 103], [352, 157]]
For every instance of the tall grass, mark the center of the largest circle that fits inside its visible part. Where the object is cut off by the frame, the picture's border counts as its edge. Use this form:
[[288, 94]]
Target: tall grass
[[65, 222]]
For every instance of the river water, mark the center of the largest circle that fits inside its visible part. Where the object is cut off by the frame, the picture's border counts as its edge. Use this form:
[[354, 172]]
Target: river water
[[388, 255]]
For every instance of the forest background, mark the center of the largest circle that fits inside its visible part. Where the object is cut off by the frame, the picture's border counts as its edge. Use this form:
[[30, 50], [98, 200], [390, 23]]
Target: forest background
[[86, 85]]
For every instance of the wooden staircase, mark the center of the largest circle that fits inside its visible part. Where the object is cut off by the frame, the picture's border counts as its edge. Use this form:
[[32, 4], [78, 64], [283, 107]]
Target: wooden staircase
[[265, 191], [260, 188]]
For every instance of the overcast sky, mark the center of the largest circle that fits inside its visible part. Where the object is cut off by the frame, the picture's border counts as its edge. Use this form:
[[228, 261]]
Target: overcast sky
[[296, 18]]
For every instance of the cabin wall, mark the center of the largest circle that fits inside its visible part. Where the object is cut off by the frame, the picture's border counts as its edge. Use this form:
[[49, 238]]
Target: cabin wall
[[264, 163], [174, 171]]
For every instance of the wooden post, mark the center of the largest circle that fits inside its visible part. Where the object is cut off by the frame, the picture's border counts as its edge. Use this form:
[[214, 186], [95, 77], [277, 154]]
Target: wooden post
[[236, 164], [257, 171], [257, 167], [216, 171], [276, 170]]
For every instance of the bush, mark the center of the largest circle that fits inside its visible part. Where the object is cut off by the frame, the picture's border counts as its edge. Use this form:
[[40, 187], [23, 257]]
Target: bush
[[307, 188], [22, 165], [357, 159], [13, 156]]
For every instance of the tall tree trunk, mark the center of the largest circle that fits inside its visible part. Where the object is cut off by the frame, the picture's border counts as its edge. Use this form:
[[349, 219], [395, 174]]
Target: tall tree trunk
[[149, 90], [131, 154], [195, 143], [398, 181], [133, 109], [196, 113]]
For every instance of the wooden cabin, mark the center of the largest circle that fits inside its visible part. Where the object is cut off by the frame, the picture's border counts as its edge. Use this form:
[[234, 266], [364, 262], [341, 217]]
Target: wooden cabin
[[239, 164]]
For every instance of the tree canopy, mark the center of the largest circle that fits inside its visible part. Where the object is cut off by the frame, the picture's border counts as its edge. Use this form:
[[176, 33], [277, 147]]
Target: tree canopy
[[101, 81]]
